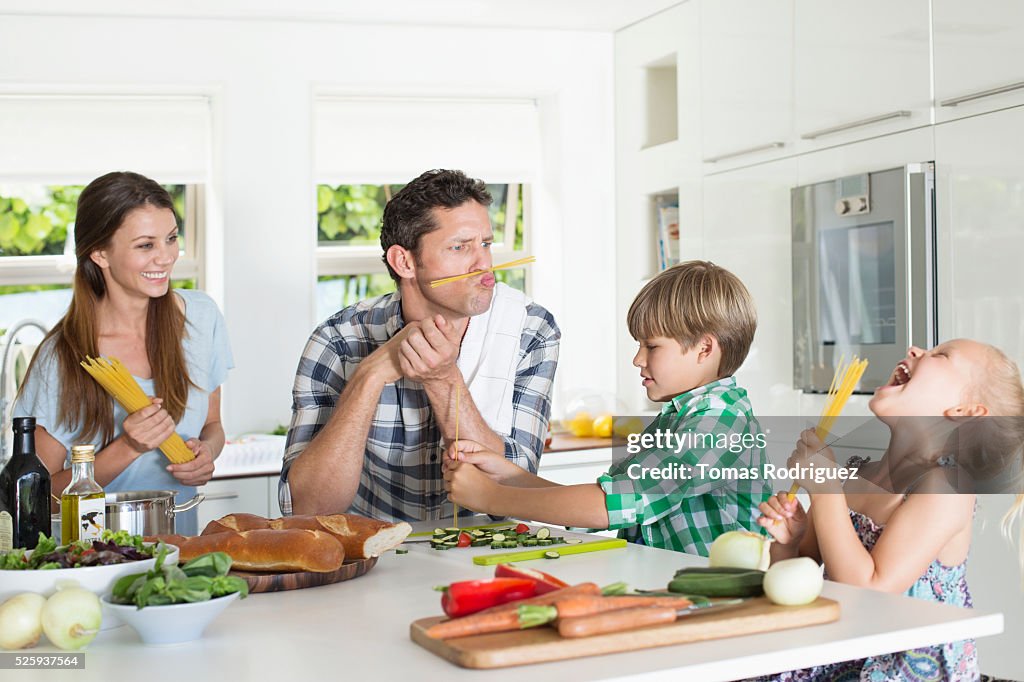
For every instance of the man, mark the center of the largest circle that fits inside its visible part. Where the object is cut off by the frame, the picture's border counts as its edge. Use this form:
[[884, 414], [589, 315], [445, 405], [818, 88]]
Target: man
[[376, 390]]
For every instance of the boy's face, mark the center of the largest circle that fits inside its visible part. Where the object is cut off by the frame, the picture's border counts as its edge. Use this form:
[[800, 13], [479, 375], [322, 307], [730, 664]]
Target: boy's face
[[668, 370]]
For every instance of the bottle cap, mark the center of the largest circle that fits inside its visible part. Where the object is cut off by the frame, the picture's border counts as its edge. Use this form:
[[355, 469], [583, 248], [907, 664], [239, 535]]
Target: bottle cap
[[83, 453], [24, 424]]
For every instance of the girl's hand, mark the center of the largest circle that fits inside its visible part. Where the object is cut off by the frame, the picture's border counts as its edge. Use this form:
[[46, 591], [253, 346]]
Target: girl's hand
[[492, 464], [810, 450], [468, 486], [147, 428], [197, 472], [784, 519]]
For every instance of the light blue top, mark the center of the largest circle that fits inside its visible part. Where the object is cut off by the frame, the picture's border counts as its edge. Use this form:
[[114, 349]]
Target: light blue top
[[208, 355]]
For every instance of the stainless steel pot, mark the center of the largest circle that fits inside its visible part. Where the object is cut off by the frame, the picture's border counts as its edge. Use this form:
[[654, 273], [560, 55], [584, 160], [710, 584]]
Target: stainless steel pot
[[146, 512]]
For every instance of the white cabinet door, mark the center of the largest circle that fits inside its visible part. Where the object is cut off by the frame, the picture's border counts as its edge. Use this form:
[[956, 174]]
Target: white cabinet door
[[746, 53], [247, 495], [979, 182], [861, 69], [747, 229], [979, 56]]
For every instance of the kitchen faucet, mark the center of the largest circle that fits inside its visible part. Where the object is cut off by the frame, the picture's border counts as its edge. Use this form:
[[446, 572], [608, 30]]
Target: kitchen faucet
[[12, 334]]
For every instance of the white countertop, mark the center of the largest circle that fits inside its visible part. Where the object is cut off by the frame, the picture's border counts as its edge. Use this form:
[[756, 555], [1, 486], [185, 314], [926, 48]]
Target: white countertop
[[360, 630]]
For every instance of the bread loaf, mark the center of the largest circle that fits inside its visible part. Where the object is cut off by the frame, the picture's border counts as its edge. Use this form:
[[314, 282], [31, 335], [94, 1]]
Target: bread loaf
[[361, 537], [236, 522], [266, 549]]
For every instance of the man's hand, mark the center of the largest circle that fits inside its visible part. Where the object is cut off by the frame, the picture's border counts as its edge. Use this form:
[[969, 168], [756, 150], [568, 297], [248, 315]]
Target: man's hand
[[384, 363], [197, 472], [146, 429], [469, 487], [492, 464], [429, 353]]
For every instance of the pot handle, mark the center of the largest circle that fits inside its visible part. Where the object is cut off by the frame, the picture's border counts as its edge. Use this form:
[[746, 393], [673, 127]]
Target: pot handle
[[194, 502]]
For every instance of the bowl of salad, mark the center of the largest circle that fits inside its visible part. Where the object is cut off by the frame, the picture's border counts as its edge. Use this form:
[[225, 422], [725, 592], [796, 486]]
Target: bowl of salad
[[94, 564]]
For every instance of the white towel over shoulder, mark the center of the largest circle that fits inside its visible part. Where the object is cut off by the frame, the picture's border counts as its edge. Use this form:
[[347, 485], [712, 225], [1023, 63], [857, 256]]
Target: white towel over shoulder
[[490, 354]]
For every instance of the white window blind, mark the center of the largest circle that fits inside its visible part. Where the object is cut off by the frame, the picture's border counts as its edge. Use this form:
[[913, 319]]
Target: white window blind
[[392, 140], [72, 139]]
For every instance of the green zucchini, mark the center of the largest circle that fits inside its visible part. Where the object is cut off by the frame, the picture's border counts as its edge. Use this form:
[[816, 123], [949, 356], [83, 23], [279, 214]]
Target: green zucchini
[[718, 582]]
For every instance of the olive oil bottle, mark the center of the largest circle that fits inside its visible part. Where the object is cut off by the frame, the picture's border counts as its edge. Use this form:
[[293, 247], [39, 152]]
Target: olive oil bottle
[[83, 504], [24, 491]]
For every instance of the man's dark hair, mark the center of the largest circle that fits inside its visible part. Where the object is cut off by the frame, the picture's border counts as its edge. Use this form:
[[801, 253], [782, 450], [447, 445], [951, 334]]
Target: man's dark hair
[[410, 213]]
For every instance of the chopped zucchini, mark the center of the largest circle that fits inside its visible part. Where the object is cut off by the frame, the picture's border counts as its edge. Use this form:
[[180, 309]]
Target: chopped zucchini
[[551, 555], [543, 533]]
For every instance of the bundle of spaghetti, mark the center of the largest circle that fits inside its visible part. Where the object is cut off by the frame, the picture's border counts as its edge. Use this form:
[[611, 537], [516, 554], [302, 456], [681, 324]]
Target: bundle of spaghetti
[[121, 385], [510, 264], [455, 506], [843, 382]]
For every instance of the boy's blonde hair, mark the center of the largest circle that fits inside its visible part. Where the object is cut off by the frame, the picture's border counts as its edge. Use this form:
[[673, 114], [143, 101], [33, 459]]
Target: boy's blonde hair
[[692, 299]]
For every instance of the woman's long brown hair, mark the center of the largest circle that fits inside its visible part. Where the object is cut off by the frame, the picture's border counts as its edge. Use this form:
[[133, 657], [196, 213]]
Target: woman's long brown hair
[[84, 407]]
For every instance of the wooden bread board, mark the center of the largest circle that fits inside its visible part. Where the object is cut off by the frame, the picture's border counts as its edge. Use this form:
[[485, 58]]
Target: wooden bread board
[[544, 644], [297, 580]]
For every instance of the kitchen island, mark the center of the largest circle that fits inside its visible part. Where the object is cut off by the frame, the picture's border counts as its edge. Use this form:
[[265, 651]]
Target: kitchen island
[[360, 630]]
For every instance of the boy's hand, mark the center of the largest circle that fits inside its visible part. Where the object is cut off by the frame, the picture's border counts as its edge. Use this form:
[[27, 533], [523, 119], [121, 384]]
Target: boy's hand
[[783, 518], [491, 463], [469, 487]]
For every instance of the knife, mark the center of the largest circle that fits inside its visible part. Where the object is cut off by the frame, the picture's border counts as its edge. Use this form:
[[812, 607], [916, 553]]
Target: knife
[[633, 618]]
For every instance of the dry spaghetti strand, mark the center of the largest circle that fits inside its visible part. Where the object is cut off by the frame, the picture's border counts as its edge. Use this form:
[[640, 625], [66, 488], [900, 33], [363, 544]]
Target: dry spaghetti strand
[[455, 506], [843, 382], [503, 266], [121, 385]]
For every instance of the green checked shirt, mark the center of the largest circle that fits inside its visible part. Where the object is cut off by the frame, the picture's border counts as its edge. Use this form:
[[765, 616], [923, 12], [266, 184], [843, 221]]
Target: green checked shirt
[[712, 488]]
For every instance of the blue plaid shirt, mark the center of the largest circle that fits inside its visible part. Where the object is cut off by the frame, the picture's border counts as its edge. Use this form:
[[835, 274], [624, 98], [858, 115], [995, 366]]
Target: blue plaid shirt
[[401, 477]]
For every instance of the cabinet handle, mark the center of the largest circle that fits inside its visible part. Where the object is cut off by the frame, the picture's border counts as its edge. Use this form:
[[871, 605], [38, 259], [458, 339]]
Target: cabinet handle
[[744, 152], [855, 124], [953, 101]]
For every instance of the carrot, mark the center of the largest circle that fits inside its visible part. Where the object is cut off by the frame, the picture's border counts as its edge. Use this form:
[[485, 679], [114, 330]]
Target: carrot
[[616, 621], [574, 607], [483, 622]]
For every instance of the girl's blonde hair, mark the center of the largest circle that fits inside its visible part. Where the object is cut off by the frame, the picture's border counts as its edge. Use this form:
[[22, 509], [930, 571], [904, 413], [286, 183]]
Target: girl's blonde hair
[[1002, 392]]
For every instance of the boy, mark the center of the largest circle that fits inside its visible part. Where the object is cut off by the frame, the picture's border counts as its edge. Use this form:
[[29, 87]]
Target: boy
[[695, 323]]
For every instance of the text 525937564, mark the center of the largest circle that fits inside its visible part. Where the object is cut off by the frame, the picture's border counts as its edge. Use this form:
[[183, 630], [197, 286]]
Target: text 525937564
[[12, 661]]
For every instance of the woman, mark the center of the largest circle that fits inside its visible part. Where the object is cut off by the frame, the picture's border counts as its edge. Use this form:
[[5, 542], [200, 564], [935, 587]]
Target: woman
[[174, 343]]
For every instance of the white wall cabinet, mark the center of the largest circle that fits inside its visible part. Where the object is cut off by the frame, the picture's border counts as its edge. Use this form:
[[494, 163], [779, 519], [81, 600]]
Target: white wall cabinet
[[747, 229], [860, 69], [980, 202], [979, 56], [250, 496], [746, 55]]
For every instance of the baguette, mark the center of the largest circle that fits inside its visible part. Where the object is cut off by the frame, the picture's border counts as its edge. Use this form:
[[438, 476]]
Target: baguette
[[233, 523], [361, 537], [266, 549]]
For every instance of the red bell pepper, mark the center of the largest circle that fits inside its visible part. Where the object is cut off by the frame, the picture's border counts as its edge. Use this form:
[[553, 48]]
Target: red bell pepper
[[545, 582], [470, 596]]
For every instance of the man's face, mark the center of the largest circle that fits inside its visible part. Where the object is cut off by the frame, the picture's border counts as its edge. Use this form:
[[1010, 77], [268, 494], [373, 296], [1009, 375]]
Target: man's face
[[460, 244]]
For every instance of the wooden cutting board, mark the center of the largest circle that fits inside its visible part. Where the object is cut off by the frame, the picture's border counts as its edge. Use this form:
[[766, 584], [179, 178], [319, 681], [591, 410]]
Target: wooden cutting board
[[543, 644], [276, 582]]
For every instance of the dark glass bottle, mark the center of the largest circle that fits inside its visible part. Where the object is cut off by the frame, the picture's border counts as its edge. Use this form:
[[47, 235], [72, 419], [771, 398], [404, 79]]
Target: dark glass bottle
[[24, 491]]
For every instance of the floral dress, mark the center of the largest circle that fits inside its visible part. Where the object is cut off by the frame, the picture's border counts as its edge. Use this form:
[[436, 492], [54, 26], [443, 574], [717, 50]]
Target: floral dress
[[955, 661]]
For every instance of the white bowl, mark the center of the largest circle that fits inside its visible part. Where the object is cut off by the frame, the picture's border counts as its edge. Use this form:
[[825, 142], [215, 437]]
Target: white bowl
[[97, 579], [170, 624]]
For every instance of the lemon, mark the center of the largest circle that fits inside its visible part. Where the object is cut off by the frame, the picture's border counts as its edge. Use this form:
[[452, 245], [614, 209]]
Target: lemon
[[603, 426], [624, 426], [581, 425]]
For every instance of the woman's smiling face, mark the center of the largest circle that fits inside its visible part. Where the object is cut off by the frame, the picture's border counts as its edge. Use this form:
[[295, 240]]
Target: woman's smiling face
[[141, 253], [929, 383]]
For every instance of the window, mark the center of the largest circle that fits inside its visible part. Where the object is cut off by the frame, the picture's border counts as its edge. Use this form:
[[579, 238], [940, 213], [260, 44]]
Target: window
[[54, 144], [37, 254], [399, 138]]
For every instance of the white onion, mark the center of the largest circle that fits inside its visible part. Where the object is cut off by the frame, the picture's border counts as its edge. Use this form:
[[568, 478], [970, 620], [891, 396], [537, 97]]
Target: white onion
[[793, 582], [741, 549], [71, 618], [20, 621]]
